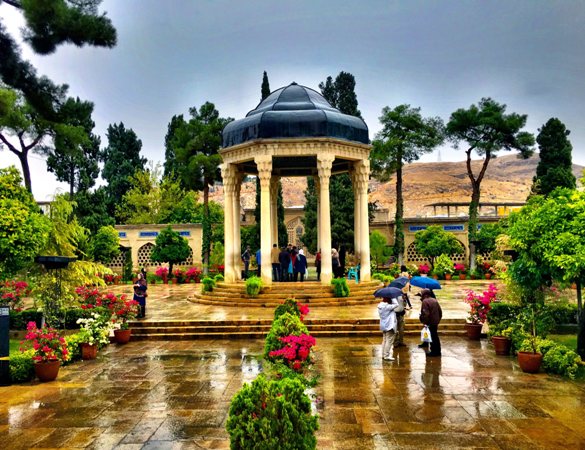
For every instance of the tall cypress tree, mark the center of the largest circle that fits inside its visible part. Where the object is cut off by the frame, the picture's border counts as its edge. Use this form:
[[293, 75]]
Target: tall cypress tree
[[265, 86], [556, 164]]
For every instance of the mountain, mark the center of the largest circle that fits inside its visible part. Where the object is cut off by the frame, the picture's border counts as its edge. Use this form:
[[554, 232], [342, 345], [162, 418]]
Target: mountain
[[508, 179]]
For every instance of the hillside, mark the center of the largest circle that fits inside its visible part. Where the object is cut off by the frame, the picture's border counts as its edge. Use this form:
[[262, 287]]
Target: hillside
[[508, 179]]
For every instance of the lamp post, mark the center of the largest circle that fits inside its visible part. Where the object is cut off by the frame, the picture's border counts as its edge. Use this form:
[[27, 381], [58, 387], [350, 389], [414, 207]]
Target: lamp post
[[4, 346], [53, 263]]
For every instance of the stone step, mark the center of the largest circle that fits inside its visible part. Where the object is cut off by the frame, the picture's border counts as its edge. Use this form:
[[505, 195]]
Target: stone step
[[273, 304], [251, 322]]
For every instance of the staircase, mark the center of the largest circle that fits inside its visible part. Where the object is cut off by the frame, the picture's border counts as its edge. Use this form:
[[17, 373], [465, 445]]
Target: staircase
[[257, 329], [310, 292]]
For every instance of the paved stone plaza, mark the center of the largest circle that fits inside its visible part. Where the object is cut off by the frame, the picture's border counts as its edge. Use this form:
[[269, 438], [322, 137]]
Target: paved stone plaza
[[176, 394]]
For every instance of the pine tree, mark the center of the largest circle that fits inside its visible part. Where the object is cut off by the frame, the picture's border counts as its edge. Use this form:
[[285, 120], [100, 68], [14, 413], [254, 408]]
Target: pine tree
[[265, 86], [555, 168]]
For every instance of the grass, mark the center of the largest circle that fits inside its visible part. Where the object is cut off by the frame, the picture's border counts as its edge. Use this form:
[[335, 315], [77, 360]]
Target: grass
[[14, 346], [568, 340]]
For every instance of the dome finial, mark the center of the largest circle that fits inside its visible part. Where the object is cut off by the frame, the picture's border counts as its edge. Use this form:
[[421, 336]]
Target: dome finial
[[294, 83]]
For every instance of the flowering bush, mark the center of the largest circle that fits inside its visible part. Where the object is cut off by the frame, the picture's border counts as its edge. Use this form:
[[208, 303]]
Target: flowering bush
[[162, 273], [94, 330], [480, 304], [179, 274], [91, 297], [423, 269], [46, 343], [123, 311], [296, 351], [112, 278], [459, 268], [193, 275], [291, 306], [11, 293]]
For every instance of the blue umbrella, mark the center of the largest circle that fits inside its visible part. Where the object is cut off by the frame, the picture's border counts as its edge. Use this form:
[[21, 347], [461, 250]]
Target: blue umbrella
[[388, 292], [425, 283], [400, 282]]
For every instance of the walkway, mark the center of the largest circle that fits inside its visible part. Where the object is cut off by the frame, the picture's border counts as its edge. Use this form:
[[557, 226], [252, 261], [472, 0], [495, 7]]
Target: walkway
[[175, 395]]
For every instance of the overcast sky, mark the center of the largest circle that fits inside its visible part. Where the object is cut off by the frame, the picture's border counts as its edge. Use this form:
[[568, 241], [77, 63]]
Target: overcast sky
[[438, 55]]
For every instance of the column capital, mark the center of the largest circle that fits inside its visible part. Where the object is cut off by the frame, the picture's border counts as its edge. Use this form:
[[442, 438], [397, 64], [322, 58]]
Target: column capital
[[264, 165], [361, 174], [324, 165], [229, 175]]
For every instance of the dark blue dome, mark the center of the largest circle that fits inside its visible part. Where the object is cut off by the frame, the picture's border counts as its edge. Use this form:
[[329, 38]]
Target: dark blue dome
[[295, 111]]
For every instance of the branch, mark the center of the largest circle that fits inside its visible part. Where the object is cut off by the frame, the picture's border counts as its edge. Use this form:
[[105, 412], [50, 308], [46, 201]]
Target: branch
[[488, 156], [468, 162], [11, 147], [14, 3], [34, 143]]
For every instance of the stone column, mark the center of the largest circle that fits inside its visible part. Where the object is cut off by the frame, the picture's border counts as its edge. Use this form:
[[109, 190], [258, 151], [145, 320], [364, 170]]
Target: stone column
[[356, 213], [228, 175], [264, 164], [362, 174], [324, 164], [317, 190], [274, 209], [237, 245]]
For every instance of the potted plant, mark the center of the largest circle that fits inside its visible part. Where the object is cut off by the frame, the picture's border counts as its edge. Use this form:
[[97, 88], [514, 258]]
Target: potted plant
[[424, 270], [124, 310], [479, 306], [49, 350], [500, 334], [460, 270], [535, 322], [93, 333], [444, 266], [193, 275]]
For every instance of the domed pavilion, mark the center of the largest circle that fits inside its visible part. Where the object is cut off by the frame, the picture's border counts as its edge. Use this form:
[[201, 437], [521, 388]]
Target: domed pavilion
[[294, 132]]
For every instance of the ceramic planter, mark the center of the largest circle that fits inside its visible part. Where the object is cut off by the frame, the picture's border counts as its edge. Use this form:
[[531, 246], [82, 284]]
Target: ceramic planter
[[88, 351], [488, 276], [448, 276], [47, 370], [529, 362], [122, 336], [473, 331], [462, 276], [502, 345]]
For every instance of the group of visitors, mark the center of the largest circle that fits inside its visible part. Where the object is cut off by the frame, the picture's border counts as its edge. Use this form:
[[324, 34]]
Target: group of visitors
[[392, 312], [289, 264]]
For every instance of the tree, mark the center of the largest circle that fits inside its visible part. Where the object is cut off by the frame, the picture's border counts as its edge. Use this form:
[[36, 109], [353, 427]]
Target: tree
[[23, 228], [434, 241], [48, 25], [75, 156], [379, 249], [121, 160], [404, 138], [309, 219], [487, 234], [265, 86], [170, 247], [171, 168], [549, 238], [196, 145], [486, 129], [105, 245], [67, 237], [555, 168], [91, 209]]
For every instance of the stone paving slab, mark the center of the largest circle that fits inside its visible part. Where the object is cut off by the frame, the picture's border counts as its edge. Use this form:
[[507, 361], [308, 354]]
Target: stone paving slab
[[175, 395]]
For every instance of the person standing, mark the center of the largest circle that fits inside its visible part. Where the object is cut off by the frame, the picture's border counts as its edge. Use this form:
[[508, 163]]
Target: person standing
[[318, 264], [342, 254], [274, 254], [335, 262], [259, 262], [284, 259], [400, 312], [246, 260], [430, 315], [300, 265], [388, 327], [140, 295]]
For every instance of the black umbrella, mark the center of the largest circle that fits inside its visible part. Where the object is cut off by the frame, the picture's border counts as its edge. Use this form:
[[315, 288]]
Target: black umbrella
[[388, 292], [400, 282]]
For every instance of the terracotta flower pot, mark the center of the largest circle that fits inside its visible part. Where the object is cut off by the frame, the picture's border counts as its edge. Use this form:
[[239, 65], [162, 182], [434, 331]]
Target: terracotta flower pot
[[473, 331], [448, 276], [502, 345], [47, 370], [472, 276], [488, 276], [88, 351], [529, 362], [436, 277], [462, 276], [122, 336]]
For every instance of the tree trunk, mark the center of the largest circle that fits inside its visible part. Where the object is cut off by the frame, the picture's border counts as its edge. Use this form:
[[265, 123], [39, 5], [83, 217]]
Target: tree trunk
[[473, 222], [206, 229], [23, 156], [71, 181], [399, 217], [581, 320]]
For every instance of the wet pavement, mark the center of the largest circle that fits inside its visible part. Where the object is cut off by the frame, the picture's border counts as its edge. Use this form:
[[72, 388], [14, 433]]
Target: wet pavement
[[174, 395]]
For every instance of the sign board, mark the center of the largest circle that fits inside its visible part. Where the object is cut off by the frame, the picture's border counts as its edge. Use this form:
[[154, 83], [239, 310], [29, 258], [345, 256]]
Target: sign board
[[122, 234], [4, 311], [185, 233], [415, 228], [148, 234], [454, 227]]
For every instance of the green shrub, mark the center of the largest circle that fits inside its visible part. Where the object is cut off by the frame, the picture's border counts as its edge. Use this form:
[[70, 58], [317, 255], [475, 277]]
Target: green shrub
[[218, 277], [443, 265], [253, 286], [290, 306], [340, 287], [73, 348], [19, 320], [207, 284], [284, 325], [558, 359], [71, 315], [563, 313], [22, 366], [272, 414], [68, 317]]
